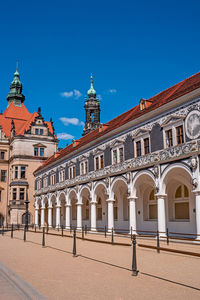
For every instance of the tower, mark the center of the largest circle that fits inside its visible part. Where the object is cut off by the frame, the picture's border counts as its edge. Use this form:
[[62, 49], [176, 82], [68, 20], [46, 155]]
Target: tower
[[15, 95], [92, 110]]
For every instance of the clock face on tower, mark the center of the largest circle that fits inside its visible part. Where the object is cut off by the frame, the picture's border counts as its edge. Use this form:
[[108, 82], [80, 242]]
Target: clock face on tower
[[192, 124]]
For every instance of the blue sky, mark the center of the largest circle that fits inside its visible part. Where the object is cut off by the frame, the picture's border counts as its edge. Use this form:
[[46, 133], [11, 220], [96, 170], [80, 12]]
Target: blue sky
[[134, 49]]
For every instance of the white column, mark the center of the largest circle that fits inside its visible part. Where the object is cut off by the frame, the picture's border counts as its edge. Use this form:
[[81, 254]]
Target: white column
[[132, 214], [161, 214], [79, 216], [58, 216], [50, 216], [67, 216], [197, 209], [36, 216], [42, 216], [110, 214], [93, 216]]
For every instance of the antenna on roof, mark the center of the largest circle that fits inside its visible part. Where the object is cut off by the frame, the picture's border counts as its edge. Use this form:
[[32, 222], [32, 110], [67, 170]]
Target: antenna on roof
[[17, 65]]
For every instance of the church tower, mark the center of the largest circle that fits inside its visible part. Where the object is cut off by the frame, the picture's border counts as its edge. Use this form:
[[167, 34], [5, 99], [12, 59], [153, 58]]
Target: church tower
[[92, 110], [15, 95]]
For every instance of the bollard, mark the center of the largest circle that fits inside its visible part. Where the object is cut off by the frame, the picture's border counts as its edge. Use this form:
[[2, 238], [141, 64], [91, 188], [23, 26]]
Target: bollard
[[35, 228], [43, 236], [131, 233], [7, 226], [85, 229], [2, 230], [70, 229], [82, 232], [105, 231], [18, 227], [112, 239], [47, 228], [167, 237], [62, 227], [24, 233], [74, 244], [134, 261], [11, 234], [158, 242]]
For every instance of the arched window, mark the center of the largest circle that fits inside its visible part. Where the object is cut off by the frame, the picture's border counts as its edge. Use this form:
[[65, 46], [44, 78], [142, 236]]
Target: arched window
[[152, 206], [24, 218], [181, 203], [99, 208]]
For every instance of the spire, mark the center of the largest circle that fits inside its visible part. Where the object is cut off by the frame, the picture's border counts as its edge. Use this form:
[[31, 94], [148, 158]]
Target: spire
[[91, 92], [15, 95]]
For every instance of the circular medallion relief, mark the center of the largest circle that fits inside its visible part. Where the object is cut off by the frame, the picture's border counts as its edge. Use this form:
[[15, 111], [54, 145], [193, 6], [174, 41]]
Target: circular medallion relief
[[192, 124]]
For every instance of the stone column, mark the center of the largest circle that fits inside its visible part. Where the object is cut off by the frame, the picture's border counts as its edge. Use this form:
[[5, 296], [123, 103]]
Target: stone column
[[93, 215], [42, 216], [50, 216], [36, 216], [110, 214], [197, 209], [132, 214], [161, 214], [67, 216], [58, 216], [79, 216]]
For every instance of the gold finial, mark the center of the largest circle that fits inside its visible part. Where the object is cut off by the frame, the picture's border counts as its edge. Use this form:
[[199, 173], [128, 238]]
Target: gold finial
[[91, 79]]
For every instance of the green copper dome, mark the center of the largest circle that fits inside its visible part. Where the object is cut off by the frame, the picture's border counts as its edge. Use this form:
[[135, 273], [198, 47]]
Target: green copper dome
[[15, 95], [91, 92]]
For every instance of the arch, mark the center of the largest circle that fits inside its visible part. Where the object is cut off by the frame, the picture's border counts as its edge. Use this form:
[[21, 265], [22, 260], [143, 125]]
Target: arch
[[174, 168], [84, 187], [145, 174], [62, 196], [98, 184], [116, 180]]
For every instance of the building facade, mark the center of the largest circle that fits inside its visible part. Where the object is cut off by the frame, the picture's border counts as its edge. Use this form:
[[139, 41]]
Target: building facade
[[26, 140], [139, 171]]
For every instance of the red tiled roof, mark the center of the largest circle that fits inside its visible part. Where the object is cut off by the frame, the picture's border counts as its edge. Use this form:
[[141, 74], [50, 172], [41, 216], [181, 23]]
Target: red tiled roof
[[22, 119], [170, 94]]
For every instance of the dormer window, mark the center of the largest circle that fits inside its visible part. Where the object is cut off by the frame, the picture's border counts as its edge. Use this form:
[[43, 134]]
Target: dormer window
[[99, 161], [45, 182], [53, 179], [61, 175], [142, 104]]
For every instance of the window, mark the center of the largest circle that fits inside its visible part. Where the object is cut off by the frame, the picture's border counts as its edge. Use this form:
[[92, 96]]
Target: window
[[118, 155], [84, 167], [152, 206], [16, 172], [179, 135], [173, 133], [72, 172], [14, 194], [181, 203], [36, 131], [2, 155], [53, 179], [169, 138], [45, 182], [99, 162], [41, 151], [99, 209], [39, 184], [142, 145], [36, 151], [61, 175], [21, 193], [146, 146], [41, 131], [23, 172], [138, 149], [3, 175]]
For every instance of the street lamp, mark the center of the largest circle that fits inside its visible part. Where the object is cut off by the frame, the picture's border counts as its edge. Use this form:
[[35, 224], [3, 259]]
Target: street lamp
[[27, 213]]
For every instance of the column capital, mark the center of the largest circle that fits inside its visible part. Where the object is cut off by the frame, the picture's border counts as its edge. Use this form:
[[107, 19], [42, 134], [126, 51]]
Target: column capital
[[79, 204], [196, 192], [49, 207], [58, 206], [110, 200], [131, 198], [68, 205], [163, 196], [93, 202], [43, 207]]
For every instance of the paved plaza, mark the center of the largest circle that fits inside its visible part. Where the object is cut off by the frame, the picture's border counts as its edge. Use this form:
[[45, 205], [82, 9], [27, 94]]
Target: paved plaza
[[100, 271]]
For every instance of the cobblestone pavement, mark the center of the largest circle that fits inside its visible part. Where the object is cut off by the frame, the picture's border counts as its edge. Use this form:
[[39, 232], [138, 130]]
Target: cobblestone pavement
[[100, 271]]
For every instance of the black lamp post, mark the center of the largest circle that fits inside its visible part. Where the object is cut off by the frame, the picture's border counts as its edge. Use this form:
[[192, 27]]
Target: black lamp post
[[27, 213]]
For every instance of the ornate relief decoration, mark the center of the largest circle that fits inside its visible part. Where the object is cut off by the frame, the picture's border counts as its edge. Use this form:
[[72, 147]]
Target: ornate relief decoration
[[192, 124], [140, 132]]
